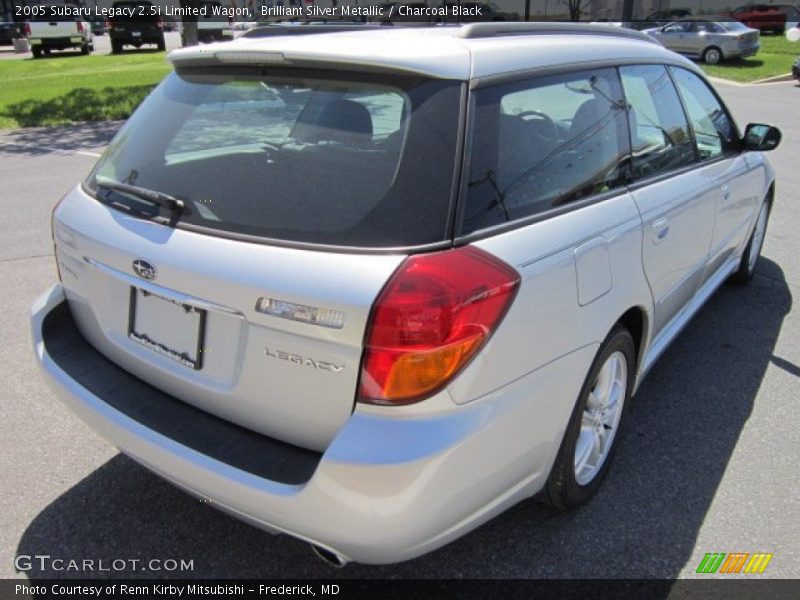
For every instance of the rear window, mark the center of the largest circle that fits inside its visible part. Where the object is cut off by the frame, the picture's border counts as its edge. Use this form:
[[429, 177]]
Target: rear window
[[734, 26], [542, 144], [298, 156]]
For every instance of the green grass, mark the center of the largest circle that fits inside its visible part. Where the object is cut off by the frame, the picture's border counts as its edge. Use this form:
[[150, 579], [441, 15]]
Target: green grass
[[776, 57], [72, 88]]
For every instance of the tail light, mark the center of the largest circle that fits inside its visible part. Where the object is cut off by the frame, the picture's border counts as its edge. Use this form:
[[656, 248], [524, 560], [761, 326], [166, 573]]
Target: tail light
[[27, 29], [433, 316], [80, 27], [159, 23], [109, 25]]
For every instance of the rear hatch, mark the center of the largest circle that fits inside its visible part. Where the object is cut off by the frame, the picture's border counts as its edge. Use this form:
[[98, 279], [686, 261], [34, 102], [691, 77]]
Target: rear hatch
[[302, 192]]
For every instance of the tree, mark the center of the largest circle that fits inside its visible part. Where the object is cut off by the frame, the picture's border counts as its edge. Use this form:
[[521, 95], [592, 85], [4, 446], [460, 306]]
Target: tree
[[189, 21], [575, 8]]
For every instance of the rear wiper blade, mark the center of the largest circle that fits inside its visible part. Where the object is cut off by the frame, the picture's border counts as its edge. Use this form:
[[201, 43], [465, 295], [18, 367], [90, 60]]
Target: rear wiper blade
[[172, 204]]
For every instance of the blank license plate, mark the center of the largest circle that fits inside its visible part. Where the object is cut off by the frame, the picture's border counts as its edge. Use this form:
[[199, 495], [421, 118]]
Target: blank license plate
[[136, 33], [167, 327]]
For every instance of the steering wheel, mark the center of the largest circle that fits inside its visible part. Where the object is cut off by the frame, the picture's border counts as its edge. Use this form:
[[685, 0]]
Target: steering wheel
[[552, 133]]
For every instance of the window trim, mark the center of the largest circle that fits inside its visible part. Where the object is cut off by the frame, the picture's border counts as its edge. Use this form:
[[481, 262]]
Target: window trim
[[737, 134], [447, 236], [460, 238], [694, 162], [632, 185]]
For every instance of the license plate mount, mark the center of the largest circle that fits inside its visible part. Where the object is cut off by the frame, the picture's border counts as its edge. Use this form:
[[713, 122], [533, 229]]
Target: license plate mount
[[168, 327]]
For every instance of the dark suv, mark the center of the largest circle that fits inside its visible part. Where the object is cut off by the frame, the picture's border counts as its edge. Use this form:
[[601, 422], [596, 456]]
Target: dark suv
[[135, 22]]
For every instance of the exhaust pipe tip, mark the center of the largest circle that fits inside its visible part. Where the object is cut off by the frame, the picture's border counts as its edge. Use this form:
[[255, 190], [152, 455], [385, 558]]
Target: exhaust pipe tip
[[329, 557]]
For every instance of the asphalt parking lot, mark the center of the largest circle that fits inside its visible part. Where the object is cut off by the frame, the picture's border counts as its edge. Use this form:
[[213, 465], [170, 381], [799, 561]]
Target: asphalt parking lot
[[709, 461]]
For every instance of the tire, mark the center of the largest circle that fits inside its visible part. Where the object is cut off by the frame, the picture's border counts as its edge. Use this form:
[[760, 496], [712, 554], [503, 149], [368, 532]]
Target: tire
[[37, 53], [116, 47], [162, 46], [573, 479], [752, 252], [85, 49], [712, 55]]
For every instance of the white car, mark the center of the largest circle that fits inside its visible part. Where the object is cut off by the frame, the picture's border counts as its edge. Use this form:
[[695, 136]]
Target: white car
[[373, 299], [53, 28]]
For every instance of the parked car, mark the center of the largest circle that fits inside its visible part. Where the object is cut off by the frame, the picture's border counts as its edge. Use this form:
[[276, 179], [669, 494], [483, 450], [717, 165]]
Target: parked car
[[136, 23], [8, 31], [47, 32], [658, 19], [296, 294], [796, 69], [98, 25], [211, 27], [792, 15], [710, 40], [764, 17]]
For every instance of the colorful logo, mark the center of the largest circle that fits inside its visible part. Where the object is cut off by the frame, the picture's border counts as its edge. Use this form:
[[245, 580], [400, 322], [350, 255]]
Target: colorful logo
[[734, 562]]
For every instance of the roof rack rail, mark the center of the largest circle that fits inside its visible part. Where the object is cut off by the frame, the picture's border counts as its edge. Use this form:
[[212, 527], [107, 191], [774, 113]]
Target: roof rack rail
[[487, 30]]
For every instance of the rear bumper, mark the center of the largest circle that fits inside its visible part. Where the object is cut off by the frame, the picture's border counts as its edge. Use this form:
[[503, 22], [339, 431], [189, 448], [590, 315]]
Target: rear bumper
[[58, 43], [385, 490], [145, 37], [743, 50]]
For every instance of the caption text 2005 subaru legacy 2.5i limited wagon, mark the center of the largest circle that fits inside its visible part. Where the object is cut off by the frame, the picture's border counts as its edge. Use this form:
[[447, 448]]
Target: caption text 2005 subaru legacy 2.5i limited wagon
[[372, 299]]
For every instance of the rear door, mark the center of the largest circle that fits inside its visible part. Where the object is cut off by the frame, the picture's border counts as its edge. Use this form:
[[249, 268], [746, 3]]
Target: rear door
[[676, 201]]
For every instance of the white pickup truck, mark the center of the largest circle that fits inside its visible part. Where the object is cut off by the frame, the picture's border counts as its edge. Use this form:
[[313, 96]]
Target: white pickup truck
[[55, 32]]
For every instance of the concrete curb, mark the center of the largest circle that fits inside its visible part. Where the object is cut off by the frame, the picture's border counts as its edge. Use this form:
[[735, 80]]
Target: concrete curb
[[766, 81]]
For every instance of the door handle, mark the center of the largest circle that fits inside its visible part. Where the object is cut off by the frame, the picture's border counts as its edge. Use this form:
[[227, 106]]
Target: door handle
[[726, 192], [660, 229]]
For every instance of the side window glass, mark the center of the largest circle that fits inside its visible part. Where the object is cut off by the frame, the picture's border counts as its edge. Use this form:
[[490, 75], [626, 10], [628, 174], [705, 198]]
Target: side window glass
[[714, 132], [660, 135], [544, 143]]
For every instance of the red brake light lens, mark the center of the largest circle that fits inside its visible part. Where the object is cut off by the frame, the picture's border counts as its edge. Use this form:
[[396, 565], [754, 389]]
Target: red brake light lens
[[80, 27], [433, 316]]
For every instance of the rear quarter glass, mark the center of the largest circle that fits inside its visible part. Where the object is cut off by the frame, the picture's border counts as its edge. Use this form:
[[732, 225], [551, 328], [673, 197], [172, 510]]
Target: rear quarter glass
[[310, 157]]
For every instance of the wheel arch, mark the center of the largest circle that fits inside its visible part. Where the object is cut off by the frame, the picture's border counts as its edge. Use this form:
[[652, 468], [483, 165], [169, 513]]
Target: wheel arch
[[637, 322]]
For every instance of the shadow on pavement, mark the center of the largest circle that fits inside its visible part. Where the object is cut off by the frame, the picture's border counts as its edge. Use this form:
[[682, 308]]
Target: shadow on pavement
[[39, 141], [680, 434]]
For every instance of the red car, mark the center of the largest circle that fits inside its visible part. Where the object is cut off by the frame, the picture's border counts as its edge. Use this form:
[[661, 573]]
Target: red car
[[763, 17]]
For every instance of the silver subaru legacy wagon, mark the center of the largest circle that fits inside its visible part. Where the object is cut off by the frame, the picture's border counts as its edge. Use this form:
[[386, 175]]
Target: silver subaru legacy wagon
[[373, 299]]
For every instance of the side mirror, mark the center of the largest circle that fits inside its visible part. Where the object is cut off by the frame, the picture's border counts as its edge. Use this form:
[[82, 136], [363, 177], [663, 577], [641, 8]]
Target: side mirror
[[761, 138]]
